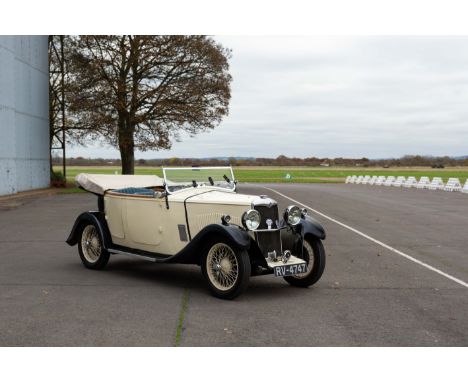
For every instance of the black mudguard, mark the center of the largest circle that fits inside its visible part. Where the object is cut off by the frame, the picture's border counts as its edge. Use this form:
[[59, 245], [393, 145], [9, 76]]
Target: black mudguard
[[310, 226], [192, 251], [96, 218], [291, 237]]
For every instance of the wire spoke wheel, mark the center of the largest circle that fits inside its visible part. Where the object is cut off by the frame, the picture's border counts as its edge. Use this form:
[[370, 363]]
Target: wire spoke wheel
[[222, 266], [313, 254], [308, 256], [91, 244]]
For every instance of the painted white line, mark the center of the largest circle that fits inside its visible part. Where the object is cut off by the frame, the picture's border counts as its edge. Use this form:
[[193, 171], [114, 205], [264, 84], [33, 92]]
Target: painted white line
[[386, 246]]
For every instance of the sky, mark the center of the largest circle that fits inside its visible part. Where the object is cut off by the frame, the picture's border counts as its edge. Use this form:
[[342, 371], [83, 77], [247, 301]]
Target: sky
[[377, 97]]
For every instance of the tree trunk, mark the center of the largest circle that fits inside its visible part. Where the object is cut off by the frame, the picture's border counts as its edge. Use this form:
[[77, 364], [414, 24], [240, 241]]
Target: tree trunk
[[128, 159], [126, 146]]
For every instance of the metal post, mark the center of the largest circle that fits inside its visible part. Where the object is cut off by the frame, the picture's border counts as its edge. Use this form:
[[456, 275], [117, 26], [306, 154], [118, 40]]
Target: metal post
[[62, 69]]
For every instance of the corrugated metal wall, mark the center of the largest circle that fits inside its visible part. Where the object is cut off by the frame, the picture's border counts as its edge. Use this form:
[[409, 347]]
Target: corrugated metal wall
[[24, 113]]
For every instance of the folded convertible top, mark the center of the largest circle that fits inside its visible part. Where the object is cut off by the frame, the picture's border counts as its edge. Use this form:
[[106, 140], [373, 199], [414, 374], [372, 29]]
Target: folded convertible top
[[100, 183]]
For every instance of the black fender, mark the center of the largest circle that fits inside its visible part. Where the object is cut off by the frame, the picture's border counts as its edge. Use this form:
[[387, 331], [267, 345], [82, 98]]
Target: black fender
[[291, 237], [191, 253], [238, 236], [310, 226], [98, 219]]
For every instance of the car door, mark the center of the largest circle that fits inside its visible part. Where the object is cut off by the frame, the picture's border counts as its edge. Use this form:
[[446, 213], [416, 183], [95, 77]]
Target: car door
[[144, 221], [114, 210]]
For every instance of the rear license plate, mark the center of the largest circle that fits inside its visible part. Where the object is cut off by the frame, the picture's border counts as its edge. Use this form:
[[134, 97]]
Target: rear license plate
[[290, 269]]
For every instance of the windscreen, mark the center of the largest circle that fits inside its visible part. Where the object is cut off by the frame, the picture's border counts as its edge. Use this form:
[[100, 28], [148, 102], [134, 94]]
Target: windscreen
[[181, 178]]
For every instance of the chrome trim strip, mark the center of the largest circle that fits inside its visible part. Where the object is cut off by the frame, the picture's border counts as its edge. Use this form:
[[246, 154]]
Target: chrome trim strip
[[268, 230]]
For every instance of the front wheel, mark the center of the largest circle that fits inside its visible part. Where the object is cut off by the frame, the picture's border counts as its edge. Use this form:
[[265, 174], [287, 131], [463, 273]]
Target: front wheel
[[90, 248], [314, 254], [226, 268]]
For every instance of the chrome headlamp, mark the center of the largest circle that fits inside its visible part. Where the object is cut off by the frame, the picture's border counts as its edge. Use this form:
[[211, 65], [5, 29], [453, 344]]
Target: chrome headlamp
[[251, 219], [292, 215]]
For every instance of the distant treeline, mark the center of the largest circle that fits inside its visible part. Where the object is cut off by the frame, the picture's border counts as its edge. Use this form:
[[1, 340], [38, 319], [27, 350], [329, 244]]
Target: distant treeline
[[408, 160]]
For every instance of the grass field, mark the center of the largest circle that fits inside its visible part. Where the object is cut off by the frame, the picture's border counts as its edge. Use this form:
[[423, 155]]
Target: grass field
[[297, 174]]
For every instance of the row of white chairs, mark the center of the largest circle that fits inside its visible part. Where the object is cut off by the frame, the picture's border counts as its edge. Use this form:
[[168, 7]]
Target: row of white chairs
[[453, 184]]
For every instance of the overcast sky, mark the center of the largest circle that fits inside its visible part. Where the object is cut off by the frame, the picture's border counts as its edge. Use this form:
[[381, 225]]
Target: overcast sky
[[336, 96]]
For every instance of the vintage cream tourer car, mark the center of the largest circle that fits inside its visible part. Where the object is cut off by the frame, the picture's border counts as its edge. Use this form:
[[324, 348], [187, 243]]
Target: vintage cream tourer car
[[195, 216]]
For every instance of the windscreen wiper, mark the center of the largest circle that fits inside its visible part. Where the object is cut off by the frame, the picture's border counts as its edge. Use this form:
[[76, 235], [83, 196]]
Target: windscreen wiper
[[211, 180], [226, 178]]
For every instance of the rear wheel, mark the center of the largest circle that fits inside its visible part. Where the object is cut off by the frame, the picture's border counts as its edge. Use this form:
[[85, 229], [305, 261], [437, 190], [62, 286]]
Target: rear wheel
[[314, 254], [92, 254], [226, 268]]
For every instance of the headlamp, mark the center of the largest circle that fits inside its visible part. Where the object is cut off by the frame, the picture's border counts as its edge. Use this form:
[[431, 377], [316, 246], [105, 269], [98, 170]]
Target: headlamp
[[251, 219]]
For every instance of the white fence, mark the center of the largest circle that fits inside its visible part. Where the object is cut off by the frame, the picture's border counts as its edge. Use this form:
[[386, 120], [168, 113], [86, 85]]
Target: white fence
[[453, 184]]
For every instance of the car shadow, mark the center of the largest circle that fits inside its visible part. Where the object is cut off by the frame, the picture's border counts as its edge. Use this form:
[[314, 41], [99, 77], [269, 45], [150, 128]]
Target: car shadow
[[182, 276]]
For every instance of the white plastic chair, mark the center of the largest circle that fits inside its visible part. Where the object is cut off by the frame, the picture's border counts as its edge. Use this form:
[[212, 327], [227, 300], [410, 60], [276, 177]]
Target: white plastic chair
[[399, 181], [380, 180], [424, 182], [366, 179], [453, 184], [410, 182], [389, 181], [436, 184], [465, 187], [373, 180]]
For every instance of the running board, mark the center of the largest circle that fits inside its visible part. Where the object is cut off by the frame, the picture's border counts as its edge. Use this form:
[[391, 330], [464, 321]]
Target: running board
[[141, 256]]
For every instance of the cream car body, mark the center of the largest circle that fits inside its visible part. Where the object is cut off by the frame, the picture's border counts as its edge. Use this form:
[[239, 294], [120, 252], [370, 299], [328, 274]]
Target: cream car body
[[175, 218], [146, 223]]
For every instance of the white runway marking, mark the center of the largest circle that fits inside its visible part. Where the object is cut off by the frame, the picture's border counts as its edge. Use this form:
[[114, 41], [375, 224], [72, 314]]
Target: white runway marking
[[411, 258]]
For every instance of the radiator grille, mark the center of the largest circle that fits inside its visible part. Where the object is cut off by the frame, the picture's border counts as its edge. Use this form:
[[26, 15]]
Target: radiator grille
[[267, 212], [269, 241]]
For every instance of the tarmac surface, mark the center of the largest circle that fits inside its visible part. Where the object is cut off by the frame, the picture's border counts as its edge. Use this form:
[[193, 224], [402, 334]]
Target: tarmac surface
[[369, 295]]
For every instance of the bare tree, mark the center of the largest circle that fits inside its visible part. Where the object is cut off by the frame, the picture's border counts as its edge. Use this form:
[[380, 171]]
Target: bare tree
[[140, 92]]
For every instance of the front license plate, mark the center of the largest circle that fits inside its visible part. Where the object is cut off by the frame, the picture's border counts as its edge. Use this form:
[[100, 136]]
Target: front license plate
[[290, 269]]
